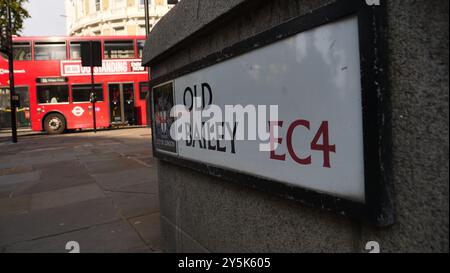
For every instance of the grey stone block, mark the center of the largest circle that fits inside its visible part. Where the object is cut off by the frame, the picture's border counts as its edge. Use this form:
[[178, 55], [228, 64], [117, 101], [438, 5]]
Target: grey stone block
[[176, 240], [418, 76], [226, 217], [182, 21]]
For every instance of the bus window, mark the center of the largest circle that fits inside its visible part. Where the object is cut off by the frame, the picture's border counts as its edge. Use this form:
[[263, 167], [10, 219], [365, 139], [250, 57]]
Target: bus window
[[52, 94], [21, 91], [44, 51], [143, 90], [5, 106], [22, 51], [75, 50], [140, 47], [82, 93], [119, 50]]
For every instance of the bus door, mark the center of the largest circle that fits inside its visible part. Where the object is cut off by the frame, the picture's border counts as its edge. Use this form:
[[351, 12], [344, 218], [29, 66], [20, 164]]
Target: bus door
[[121, 103], [82, 109], [22, 111]]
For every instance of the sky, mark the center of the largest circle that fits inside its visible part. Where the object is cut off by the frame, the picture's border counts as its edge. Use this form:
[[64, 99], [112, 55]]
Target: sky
[[47, 18]]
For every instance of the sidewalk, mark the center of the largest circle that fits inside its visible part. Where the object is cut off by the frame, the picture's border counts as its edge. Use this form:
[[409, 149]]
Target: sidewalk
[[6, 134], [99, 190]]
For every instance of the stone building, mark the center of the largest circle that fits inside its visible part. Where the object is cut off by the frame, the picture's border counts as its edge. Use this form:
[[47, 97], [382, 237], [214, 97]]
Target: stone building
[[112, 17]]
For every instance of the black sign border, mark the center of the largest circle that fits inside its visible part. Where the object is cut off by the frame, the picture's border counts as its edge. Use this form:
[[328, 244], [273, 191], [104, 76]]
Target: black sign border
[[378, 208]]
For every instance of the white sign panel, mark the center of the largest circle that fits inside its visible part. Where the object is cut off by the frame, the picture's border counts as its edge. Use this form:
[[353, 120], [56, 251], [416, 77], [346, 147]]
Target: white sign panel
[[109, 67], [314, 78]]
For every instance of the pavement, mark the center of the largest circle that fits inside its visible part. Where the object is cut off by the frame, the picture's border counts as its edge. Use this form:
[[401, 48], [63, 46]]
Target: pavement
[[98, 190]]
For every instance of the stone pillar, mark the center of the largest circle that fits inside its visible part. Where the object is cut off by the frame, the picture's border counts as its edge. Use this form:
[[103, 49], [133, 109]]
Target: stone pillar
[[202, 213]]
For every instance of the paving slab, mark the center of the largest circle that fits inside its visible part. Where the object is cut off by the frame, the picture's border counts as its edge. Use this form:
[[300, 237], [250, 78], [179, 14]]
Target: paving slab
[[63, 168], [16, 169], [117, 180], [54, 183], [15, 205], [99, 156], [48, 158], [150, 187], [106, 166], [114, 237], [17, 178], [14, 190], [83, 187], [149, 161], [149, 229], [42, 223], [135, 204], [66, 196]]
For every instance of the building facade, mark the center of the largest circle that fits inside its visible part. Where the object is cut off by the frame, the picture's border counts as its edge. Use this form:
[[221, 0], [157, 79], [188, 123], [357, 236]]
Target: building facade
[[112, 17]]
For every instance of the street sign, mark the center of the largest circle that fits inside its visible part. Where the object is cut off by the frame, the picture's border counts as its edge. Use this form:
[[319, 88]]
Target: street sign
[[322, 145], [91, 56], [46, 80], [312, 77]]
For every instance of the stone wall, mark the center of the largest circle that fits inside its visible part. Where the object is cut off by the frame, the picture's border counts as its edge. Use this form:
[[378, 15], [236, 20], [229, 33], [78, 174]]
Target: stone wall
[[201, 213]]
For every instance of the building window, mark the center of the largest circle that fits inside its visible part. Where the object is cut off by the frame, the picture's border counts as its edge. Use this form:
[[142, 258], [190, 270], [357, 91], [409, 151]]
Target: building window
[[142, 29], [119, 49], [82, 93], [119, 4], [52, 94], [22, 51], [119, 30], [44, 51], [97, 5]]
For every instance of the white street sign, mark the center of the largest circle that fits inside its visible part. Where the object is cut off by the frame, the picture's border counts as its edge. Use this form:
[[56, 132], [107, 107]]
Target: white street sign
[[314, 78]]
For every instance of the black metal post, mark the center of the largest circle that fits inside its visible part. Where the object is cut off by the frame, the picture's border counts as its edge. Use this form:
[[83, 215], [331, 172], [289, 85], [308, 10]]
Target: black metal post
[[147, 33], [147, 19], [93, 97], [12, 92]]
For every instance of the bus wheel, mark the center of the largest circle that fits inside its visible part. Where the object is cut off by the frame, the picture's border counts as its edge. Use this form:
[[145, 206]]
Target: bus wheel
[[55, 124]]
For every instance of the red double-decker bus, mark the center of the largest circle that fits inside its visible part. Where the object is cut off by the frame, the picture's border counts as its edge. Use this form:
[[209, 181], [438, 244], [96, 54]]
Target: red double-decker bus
[[55, 89]]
